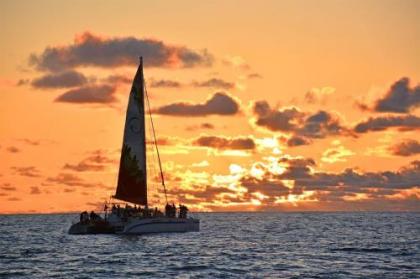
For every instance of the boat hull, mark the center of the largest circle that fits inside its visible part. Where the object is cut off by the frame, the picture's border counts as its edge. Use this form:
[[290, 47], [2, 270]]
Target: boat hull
[[161, 225], [138, 226], [91, 228]]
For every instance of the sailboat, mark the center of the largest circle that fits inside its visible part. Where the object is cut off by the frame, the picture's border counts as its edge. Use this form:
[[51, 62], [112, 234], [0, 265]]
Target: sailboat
[[132, 186]]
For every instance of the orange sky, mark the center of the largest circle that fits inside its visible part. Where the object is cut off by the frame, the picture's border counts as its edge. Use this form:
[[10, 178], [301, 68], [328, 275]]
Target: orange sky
[[304, 78]]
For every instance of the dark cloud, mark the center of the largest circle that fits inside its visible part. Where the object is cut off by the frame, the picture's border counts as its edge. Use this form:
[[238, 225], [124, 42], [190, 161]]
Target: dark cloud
[[405, 122], [297, 168], [13, 149], [60, 80], [297, 141], [27, 171], [350, 179], [211, 83], [23, 82], [165, 141], [113, 79], [207, 126], [35, 190], [240, 143], [97, 161], [322, 124], [302, 125], [219, 104], [266, 187], [69, 179], [164, 83], [406, 148], [92, 50], [199, 194], [288, 119], [7, 187], [329, 186], [400, 98], [90, 94], [214, 83]]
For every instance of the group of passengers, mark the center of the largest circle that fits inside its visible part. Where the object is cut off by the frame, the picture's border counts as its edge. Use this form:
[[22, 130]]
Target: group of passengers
[[85, 217], [131, 211], [135, 211], [170, 211]]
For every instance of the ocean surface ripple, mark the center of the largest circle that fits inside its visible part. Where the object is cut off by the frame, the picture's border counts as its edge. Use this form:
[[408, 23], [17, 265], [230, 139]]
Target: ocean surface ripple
[[229, 245]]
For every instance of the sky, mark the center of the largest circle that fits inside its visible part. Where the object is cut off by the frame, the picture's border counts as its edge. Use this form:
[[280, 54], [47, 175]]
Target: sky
[[258, 105]]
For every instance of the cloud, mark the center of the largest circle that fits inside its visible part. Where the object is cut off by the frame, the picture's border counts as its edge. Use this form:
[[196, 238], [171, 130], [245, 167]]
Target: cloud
[[69, 179], [322, 124], [297, 167], [207, 126], [400, 98], [22, 82], [30, 142], [13, 149], [287, 119], [302, 125], [336, 154], [298, 141], [266, 187], [405, 178], [218, 104], [7, 187], [164, 83], [404, 123], [35, 190], [406, 148], [92, 50], [168, 141], [27, 171], [97, 161], [214, 83], [207, 193], [299, 176], [254, 75], [60, 80], [221, 143], [90, 94], [115, 79]]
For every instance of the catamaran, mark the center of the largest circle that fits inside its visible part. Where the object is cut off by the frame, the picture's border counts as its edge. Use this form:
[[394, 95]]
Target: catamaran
[[132, 186]]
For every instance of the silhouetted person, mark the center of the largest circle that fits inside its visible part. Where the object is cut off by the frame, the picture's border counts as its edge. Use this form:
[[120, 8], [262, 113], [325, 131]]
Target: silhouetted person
[[84, 217], [183, 211], [168, 210], [173, 210]]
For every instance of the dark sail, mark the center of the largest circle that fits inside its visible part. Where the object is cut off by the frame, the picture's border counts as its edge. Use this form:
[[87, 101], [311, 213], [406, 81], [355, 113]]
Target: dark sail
[[132, 176]]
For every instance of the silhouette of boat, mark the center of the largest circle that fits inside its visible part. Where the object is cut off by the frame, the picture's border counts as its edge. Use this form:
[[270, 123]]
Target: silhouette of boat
[[132, 186]]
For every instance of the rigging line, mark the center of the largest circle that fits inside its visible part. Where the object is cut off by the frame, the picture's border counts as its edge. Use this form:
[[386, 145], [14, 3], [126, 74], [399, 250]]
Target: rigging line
[[152, 162], [154, 139]]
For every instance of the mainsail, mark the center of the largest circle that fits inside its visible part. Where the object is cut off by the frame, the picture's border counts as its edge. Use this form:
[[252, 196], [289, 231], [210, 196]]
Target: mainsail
[[132, 177]]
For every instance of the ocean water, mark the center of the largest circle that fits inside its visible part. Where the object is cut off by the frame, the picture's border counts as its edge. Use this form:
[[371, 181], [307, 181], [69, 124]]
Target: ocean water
[[229, 245]]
